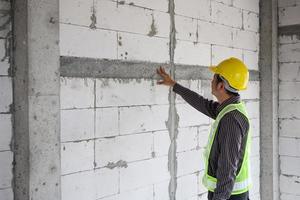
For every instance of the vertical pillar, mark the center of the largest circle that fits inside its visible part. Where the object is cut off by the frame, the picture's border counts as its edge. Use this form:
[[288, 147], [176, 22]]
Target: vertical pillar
[[36, 100], [269, 186]]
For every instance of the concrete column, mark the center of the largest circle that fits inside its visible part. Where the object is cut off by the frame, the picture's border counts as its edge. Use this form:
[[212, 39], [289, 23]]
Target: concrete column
[[269, 186], [36, 100]]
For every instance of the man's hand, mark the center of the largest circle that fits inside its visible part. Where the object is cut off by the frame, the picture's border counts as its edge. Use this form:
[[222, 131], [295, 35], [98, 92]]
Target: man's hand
[[167, 80]]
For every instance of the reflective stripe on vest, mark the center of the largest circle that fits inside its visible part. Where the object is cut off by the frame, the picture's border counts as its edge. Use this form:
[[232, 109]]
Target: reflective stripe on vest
[[243, 179]]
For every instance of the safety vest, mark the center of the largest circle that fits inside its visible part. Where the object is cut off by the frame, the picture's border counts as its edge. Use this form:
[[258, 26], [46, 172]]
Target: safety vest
[[243, 179]]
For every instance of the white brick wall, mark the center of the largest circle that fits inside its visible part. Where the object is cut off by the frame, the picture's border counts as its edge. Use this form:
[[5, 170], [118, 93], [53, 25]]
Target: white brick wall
[[121, 124], [6, 101], [289, 149], [220, 15], [289, 15]]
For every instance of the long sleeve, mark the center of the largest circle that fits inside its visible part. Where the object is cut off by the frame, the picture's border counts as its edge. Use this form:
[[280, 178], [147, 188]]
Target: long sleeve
[[231, 137], [207, 107]]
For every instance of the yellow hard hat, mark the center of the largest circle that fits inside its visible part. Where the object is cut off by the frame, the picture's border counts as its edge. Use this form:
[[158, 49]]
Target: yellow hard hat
[[234, 71]]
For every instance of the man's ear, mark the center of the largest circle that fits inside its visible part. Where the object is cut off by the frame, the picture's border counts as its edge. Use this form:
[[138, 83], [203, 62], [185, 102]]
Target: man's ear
[[221, 86]]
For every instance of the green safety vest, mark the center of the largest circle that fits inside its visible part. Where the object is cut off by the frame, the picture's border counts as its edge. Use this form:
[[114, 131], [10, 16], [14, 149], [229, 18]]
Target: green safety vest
[[243, 179]]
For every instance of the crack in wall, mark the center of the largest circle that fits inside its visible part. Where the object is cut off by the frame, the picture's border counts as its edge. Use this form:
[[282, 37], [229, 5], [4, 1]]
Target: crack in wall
[[172, 123]]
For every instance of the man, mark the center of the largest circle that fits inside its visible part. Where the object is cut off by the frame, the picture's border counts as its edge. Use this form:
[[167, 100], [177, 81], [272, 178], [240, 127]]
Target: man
[[227, 169]]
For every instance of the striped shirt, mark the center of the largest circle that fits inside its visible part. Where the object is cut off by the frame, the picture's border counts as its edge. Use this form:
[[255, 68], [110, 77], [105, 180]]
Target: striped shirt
[[228, 148]]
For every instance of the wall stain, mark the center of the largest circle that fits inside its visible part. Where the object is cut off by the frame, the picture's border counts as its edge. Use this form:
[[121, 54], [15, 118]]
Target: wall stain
[[93, 19], [153, 29], [119, 164]]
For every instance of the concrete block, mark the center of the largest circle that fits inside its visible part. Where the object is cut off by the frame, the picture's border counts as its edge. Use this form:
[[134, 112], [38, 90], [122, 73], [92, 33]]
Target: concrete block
[[126, 148], [202, 196], [154, 4], [289, 184], [255, 127], [251, 59], [6, 131], [199, 9], [250, 21], [5, 94], [214, 33], [194, 85], [288, 39], [77, 156], [289, 53], [5, 18], [252, 5], [192, 53], [190, 162], [226, 15], [290, 165], [255, 188], [227, 2], [147, 22], [252, 109], [157, 171], [161, 190], [289, 109], [255, 166], [252, 91], [287, 90], [115, 92], [161, 143], [107, 122], [245, 40], [97, 43], [201, 188], [145, 193], [6, 194], [4, 64], [189, 116], [160, 25], [187, 139], [77, 124], [289, 72], [106, 182], [203, 133], [284, 196], [219, 53], [286, 3], [187, 186], [79, 186], [6, 166], [289, 146], [143, 118], [77, 93], [186, 28], [289, 15], [143, 48], [255, 146], [69, 10], [255, 196], [289, 127]]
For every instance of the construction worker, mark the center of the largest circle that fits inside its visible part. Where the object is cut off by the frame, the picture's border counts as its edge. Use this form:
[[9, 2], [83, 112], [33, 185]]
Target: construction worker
[[227, 168]]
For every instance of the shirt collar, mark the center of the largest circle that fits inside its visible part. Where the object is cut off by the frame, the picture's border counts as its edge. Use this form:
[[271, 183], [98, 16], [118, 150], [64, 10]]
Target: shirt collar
[[231, 100]]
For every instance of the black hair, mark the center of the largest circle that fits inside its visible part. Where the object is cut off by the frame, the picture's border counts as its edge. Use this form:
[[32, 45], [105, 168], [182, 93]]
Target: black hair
[[219, 80]]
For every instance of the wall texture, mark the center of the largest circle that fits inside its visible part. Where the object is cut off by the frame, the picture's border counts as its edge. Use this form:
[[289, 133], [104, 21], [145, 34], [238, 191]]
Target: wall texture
[[289, 104], [124, 137], [6, 100]]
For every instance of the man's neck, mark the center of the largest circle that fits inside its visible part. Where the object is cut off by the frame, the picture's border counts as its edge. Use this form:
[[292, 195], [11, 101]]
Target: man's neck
[[223, 98]]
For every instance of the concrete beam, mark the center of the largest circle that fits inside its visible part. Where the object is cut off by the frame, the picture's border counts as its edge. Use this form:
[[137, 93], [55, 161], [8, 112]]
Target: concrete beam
[[36, 100], [268, 63], [103, 68], [289, 30]]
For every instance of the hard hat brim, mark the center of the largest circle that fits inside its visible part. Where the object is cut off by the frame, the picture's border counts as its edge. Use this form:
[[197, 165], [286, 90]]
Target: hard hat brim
[[213, 69]]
